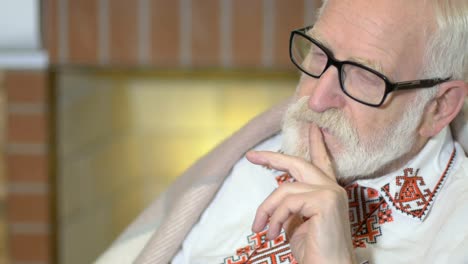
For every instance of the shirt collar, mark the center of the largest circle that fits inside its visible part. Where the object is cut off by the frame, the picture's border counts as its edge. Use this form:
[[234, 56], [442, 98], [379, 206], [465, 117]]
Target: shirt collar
[[413, 189]]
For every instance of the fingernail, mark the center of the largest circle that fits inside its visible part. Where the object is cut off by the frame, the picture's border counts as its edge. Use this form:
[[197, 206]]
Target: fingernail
[[256, 225], [256, 157], [252, 153], [270, 236]]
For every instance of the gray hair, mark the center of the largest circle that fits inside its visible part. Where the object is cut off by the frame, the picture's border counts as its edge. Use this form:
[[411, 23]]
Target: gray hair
[[446, 52]]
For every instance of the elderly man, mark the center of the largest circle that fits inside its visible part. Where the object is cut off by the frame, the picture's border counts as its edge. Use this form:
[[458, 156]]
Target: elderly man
[[368, 170]]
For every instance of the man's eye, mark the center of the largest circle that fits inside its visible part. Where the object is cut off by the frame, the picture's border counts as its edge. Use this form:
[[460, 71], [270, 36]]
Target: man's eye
[[318, 56], [367, 77]]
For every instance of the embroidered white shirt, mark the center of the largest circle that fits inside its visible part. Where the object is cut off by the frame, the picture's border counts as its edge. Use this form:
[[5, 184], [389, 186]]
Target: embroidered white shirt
[[417, 214], [428, 199]]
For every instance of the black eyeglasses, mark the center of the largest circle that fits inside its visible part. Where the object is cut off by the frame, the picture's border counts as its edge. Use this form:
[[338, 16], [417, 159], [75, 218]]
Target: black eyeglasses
[[361, 83]]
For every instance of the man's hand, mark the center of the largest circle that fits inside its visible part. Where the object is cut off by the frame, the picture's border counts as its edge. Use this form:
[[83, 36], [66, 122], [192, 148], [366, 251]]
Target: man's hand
[[313, 210]]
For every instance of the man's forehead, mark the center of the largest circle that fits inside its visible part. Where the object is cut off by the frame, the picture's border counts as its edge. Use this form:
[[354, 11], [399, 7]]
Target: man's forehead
[[415, 11], [387, 19], [384, 35]]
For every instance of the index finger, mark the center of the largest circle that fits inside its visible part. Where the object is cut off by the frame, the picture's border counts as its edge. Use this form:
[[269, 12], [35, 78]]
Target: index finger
[[318, 152], [298, 168]]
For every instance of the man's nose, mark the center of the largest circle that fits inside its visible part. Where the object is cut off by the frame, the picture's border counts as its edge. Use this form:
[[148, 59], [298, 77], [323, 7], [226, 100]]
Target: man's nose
[[325, 92]]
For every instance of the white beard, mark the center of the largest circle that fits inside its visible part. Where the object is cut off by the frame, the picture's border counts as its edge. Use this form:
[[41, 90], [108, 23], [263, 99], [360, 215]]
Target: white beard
[[360, 157]]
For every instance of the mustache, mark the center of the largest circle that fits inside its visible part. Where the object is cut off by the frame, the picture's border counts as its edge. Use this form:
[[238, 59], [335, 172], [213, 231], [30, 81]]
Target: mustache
[[333, 120]]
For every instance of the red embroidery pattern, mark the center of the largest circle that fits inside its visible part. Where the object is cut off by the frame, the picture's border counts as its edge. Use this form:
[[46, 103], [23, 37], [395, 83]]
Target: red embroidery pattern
[[408, 197], [367, 211], [284, 178], [261, 251]]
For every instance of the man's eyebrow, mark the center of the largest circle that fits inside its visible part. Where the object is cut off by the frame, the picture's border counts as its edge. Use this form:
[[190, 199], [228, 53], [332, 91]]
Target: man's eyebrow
[[312, 33], [366, 62]]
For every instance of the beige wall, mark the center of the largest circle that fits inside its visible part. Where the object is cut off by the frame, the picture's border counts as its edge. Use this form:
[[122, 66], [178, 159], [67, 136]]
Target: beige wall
[[124, 139]]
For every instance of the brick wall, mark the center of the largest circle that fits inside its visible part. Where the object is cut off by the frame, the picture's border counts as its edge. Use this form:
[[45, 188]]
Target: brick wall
[[174, 33], [29, 203]]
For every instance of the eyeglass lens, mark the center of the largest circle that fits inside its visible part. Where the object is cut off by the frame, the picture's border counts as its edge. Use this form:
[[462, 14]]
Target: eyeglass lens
[[358, 83]]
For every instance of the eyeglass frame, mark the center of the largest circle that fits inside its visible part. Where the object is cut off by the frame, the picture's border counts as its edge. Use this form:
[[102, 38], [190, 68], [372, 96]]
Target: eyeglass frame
[[331, 60]]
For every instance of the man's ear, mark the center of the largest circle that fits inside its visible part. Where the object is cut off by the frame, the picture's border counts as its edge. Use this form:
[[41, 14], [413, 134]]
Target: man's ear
[[444, 108]]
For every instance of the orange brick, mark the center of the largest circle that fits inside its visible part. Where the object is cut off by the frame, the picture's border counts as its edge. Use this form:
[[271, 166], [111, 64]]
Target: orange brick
[[165, 21], [28, 208], [123, 32], [289, 16], [83, 32], [33, 247], [247, 32], [27, 168], [205, 33], [50, 22], [26, 86], [27, 128]]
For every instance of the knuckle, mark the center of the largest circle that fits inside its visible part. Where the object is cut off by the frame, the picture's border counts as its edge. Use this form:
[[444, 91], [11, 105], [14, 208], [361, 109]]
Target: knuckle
[[284, 188], [262, 209], [289, 200], [334, 195]]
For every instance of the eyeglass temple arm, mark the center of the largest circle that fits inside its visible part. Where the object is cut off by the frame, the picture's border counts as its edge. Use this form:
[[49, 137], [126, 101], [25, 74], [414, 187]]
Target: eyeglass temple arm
[[427, 83]]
